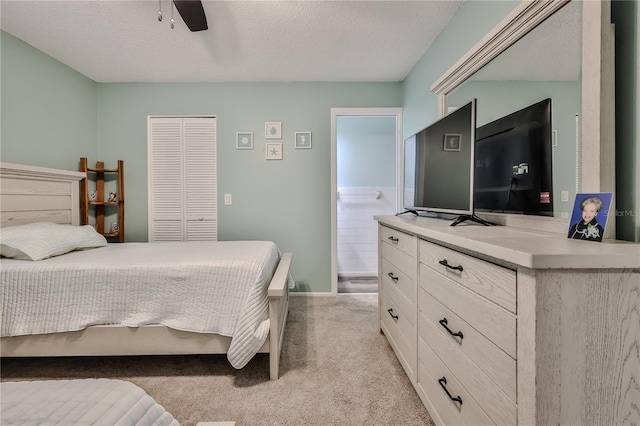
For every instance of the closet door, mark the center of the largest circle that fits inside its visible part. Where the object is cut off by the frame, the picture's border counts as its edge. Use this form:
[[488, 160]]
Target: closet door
[[166, 183], [201, 210], [182, 178]]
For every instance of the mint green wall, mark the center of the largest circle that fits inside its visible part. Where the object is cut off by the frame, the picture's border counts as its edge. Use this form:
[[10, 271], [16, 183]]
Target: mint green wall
[[472, 21], [285, 201], [48, 111], [366, 151]]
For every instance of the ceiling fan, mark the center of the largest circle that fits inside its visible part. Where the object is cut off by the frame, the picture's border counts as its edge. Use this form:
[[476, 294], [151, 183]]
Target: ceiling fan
[[192, 13]]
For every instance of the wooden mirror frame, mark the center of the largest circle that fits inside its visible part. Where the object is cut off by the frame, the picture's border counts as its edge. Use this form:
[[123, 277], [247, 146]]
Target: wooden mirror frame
[[598, 94]]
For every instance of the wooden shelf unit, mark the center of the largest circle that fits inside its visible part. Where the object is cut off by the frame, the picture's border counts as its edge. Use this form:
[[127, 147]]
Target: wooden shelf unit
[[97, 174]]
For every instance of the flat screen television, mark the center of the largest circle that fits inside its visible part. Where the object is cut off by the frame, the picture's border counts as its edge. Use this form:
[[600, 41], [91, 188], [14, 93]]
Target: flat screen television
[[438, 166], [513, 170]]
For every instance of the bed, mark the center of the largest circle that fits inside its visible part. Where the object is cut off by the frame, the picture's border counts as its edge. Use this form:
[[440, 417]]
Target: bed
[[132, 298], [80, 402]]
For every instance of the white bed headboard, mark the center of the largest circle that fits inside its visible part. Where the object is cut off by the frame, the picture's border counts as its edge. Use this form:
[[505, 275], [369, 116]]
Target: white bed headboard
[[38, 194]]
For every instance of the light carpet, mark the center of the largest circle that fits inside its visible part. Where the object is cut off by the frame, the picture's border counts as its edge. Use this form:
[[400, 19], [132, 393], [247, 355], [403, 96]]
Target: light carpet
[[336, 369]]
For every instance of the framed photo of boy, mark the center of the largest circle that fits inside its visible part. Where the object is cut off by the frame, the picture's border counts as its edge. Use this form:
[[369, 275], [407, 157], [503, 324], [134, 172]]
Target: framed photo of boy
[[590, 216], [452, 142]]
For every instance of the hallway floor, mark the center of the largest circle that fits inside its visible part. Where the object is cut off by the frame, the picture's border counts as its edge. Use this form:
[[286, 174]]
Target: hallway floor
[[358, 285]]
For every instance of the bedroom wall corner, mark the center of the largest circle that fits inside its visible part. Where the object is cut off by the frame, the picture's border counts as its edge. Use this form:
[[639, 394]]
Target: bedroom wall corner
[[48, 110], [471, 22]]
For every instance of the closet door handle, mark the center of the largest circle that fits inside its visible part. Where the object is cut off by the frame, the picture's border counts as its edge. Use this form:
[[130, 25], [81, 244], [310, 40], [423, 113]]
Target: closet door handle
[[394, 240], [393, 277], [395, 317], [443, 384], [443, 322], [445, 263]]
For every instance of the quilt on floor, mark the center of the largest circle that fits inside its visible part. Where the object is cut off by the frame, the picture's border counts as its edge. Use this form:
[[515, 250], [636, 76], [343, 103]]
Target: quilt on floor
[[80, 402]]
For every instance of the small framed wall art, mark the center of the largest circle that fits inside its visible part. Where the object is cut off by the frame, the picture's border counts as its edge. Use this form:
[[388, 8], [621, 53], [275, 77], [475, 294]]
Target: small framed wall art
[[273, 130], [244, 140], [273, 150], [303, 140], [452, 142]]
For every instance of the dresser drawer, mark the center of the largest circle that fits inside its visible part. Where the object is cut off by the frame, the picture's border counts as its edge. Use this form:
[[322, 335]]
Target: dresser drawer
[[490, 397], [397, 279], [403, 263], [494, 362], [405, 307], [432, 374], [400, 333], [494, 282], [404, 242], [491, 320]]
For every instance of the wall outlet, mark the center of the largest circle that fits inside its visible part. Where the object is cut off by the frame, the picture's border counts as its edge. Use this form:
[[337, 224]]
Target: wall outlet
[[228, 200], [564, 196]]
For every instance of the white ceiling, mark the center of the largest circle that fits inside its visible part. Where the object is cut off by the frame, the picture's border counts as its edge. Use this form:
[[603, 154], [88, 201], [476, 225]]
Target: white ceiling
[[247, 41]]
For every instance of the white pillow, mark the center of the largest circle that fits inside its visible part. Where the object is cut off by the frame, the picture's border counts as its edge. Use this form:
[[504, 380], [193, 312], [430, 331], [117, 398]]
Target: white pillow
[[37, 241]]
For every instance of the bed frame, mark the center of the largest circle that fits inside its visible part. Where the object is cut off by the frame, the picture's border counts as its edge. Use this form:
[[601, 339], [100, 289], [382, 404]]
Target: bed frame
[[37, 194]]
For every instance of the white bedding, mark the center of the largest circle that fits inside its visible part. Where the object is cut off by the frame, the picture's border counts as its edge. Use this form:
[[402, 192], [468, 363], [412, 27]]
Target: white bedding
[[207, 287], [80, 402]]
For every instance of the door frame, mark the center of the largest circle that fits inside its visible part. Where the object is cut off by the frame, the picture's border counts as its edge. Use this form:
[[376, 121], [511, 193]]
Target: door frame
[[358, 112]]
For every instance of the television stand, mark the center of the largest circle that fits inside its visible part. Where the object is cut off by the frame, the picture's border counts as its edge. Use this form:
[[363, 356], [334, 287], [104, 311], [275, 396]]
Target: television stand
[[471, 217], [408, 211]]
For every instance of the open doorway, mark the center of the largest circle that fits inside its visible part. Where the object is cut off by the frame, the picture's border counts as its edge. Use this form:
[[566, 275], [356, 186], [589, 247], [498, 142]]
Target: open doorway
[[364, 152]]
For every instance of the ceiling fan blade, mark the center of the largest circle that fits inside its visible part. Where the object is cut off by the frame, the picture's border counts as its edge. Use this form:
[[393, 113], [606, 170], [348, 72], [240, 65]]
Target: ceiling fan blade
[[192, 14]]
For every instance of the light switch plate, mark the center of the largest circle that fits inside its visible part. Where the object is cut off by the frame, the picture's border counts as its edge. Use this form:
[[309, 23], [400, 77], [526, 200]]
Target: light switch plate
[[228, 200]]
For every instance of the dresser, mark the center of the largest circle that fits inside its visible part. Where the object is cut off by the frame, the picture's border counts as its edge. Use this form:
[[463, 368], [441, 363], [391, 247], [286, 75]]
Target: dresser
[[501, 325]]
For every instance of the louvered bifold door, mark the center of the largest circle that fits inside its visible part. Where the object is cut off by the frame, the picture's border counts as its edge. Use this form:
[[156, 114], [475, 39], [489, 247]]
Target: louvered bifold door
[[200, 179], [166, 180]]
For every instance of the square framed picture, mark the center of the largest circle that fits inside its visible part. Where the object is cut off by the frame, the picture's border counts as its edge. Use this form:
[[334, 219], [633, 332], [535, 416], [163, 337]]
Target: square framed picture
[[273, 150], [589, 217], [244, 140], [452, 142], [303, 140], [273, 130]]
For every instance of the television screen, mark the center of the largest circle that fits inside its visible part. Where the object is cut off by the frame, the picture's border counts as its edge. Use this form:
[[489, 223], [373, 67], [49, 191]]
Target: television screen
[[438, 165], [513, 172]]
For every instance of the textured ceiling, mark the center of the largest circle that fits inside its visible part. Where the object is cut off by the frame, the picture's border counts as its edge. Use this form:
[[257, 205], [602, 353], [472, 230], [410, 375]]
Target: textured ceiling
[[247, 41], [269, 41]]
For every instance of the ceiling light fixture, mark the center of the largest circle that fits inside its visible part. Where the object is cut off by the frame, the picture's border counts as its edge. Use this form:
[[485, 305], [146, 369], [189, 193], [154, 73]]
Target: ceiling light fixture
[[192, 13]]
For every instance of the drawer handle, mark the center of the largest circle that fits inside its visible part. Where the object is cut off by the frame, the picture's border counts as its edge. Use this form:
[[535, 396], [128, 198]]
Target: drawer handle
[[443, 322], [395, 317], [445, 263], [394, 240], [443, 384], [393, 277]]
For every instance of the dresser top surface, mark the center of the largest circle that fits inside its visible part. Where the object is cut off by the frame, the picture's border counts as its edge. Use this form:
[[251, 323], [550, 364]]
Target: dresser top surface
[[520, 247]]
